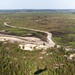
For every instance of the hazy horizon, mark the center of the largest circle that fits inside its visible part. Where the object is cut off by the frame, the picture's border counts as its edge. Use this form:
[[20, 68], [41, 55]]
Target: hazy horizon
[[36, 9], [36, 4]]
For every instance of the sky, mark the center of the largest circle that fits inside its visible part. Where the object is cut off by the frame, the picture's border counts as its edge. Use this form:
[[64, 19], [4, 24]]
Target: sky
[[37, 4]]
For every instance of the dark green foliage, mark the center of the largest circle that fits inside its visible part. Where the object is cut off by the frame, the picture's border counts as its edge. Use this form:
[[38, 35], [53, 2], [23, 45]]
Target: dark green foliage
[[14, 61]]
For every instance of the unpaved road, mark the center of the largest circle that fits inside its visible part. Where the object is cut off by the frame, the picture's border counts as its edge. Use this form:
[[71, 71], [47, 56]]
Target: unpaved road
[[28, 43], [49, 35]]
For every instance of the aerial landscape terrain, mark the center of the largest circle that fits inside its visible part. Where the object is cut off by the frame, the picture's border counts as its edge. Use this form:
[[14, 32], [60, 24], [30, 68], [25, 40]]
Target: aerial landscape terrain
[[37, 42]]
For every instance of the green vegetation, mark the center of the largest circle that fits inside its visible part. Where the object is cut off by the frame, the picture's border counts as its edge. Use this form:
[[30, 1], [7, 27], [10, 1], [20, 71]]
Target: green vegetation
[[21, 32], [14, 61], [62, 25]]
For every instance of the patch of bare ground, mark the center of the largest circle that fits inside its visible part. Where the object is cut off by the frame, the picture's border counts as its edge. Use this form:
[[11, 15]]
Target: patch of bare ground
[[29, 43]]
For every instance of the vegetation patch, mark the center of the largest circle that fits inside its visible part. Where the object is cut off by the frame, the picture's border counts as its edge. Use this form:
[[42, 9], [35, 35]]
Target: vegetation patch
[[14, 61]]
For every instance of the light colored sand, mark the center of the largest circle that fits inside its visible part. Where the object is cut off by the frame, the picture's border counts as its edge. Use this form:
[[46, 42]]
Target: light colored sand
[[25, 43], [49, 35], [11, 39], [28, 43], [71, 56]]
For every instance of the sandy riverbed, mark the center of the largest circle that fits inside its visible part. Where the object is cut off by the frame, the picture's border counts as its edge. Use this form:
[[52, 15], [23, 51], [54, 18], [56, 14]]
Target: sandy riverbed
[[25, 43], [28, 43]]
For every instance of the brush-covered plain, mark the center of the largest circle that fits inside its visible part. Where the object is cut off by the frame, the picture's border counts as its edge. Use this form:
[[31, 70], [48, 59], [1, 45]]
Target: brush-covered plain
[[14, 61]]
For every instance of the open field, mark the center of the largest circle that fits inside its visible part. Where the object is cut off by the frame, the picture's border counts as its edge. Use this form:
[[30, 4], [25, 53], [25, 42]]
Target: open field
[[14, 61], [61, 25], [53, 61]]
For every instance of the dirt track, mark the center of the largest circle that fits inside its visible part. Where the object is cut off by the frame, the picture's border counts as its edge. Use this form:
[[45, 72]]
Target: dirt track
[[49, 35], [29, 43]]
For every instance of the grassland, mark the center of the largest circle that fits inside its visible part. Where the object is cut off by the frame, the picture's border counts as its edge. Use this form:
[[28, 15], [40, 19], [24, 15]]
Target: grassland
[[14, 61], [61, 25]]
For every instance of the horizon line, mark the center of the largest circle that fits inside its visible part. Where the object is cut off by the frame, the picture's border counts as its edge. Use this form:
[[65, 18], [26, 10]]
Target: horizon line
[[36, 9]]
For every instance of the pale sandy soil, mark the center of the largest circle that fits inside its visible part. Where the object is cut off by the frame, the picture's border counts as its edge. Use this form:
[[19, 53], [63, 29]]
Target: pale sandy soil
[[28, 43], [71, 56], [25, 43]]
